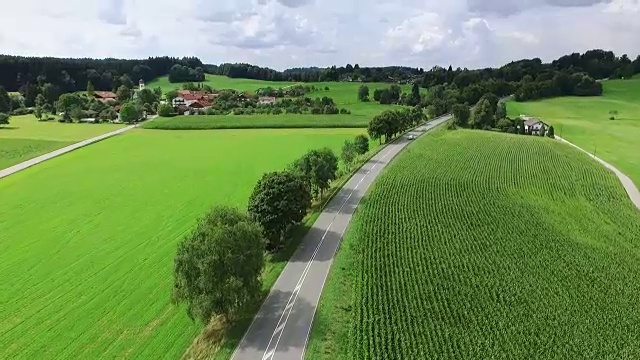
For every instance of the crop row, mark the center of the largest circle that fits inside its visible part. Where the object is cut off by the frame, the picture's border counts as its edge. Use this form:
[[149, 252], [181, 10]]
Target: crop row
[[481, 245]]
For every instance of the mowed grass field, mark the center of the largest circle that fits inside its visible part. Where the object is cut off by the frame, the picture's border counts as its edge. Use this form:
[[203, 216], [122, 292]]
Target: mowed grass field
[[585, 122], [480, 245], [190, 122], [88, 239], [25, 137]]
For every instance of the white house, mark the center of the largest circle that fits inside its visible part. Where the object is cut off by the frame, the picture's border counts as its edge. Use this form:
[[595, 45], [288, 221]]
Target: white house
[[266, 100], [532, 123]]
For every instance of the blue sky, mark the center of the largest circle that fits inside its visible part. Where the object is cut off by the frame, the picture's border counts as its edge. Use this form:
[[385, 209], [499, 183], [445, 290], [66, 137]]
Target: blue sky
[[290, 33]]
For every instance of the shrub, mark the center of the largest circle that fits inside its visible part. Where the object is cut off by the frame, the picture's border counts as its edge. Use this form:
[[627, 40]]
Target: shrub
[[361, 143], [4, 119]]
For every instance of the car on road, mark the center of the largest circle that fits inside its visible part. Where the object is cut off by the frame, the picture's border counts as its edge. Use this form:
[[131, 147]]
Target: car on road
[[411, 137]]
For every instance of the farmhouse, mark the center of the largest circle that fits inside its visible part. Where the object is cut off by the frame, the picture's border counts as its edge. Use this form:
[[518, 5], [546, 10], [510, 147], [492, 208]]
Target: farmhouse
[[187, 98], [533, 123], [266, 100], [105, 96]]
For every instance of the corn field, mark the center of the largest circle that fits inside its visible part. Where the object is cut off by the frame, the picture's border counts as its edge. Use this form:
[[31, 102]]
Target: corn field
[[476, 245]]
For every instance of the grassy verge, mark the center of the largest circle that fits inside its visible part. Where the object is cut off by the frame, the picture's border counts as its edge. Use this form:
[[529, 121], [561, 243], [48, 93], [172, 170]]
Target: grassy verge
[[300, 121]]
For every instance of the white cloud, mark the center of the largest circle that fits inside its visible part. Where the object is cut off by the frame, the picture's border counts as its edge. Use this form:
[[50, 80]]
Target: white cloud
[[288, 33]]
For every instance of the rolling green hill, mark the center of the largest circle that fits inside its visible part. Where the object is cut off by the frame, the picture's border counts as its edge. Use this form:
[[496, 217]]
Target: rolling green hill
[[585, 122], [480, 245]]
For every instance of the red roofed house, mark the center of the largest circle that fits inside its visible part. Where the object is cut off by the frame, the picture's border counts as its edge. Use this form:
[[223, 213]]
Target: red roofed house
[[105, 96], [200, 104]]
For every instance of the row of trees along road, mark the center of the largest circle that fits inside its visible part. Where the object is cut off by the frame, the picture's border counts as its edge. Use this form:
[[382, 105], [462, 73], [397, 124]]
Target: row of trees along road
[[393, 122], [218, 266]]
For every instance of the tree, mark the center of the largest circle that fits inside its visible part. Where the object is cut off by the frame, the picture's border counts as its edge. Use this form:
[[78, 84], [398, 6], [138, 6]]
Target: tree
[[482, 116], [377, 128], [461, 114], [38, 113], [108, 114], [361, 144], [505, 125], [68, 102], [90, 89], [77, 113], [40, 101], [50, 93], [542, 132], [146, 96], [318, 168], [165, 110], [129, 113], [363, 93], [348, 153], [5, 101], [123, 94], [278, 201], [501, 112], [4, 119], [218, 266], [551, 133], [125, 81], [415, 95], [171, 95], [377, 94]]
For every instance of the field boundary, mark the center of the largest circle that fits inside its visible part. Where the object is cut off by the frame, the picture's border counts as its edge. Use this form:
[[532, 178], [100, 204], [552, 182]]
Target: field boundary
[[627, 183], [67, 149]]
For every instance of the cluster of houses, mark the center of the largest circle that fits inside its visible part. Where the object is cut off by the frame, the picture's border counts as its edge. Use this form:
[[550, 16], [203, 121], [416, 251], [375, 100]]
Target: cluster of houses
[[188, 100]]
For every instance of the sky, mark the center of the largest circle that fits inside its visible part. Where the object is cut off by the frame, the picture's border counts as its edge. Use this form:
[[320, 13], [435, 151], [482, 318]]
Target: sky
[[297, 33]]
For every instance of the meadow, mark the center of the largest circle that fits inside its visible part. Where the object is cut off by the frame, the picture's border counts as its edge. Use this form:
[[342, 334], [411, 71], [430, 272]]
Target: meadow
[[480, 245], [585, 122], [88, 238], [283, 121], [25, 137]]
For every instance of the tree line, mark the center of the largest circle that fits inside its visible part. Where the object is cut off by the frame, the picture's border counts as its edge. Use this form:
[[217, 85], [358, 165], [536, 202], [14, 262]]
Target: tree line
[[390, 123], [218, 266], [18, 73]]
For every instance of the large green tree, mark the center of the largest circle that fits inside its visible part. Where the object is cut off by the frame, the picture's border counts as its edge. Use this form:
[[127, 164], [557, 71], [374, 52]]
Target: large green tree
[[5, 101], [4, 119], [278, 201], [348, 153], [501, 111], [69, 102], [363, 93], [90, 89], [146, 96], [361, 144], [123, 94], [461, 114], [218, 266], [482, 115], [319, 168], [129, 113]]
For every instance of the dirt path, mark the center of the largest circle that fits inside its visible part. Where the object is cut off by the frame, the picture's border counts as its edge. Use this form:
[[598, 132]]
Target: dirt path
[[42, 158]]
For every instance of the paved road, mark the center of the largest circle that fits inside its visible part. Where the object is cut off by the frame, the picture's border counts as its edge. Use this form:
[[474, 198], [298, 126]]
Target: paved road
[[629, 186], [281, 328], [37, 160]]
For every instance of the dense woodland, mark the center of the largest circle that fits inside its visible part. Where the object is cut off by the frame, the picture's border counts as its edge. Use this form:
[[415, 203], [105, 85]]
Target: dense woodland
[[573, 74]]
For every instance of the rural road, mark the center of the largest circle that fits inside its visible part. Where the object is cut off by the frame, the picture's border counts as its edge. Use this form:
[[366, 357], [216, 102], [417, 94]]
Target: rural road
[[281, 328], [628, 185], [37, 160]]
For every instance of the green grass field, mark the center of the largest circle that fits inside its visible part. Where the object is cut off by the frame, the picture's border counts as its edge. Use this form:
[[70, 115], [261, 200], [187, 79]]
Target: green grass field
[[479, 245], [585, 122], [25, 137], [258, 122], [88, 239]]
